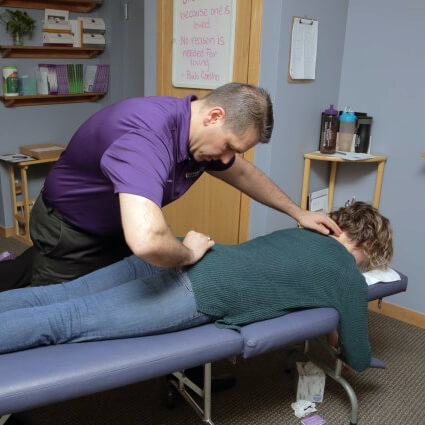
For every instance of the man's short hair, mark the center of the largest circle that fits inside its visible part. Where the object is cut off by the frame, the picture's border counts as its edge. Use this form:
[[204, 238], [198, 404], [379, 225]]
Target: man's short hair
[[246, 106], [369, 229]]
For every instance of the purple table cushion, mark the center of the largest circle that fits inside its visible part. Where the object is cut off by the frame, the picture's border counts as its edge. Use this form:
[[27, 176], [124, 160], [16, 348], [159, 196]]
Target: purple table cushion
[[40, 376], [296, 327], [46, 375], [292, 328]]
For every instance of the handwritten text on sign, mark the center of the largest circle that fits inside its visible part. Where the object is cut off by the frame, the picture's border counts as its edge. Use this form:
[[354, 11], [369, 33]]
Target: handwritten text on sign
[[203, 43]]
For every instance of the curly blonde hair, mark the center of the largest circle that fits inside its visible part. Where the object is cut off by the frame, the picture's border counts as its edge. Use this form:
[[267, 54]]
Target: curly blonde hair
[[371, 231]]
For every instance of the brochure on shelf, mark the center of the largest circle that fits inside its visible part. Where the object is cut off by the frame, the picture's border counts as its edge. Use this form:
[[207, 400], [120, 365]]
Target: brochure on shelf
[[56, 20], [58, 39], [94, 40], [93, 25]]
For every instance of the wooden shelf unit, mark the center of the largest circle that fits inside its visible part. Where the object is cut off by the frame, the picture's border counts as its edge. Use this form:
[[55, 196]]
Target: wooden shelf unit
[[50, 99], [334, 161], [21, 208], [49, 52], [81, 6]]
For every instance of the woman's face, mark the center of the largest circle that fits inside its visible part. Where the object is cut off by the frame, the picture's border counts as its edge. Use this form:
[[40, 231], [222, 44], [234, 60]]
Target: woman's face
[[359, 255], [352, 247]]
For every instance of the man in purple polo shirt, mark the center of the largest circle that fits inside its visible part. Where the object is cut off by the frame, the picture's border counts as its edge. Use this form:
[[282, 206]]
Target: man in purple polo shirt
[[103, 198]]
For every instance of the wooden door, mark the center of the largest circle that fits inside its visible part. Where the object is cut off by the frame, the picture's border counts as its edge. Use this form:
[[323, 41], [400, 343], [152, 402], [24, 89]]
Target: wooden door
[[211, 206]]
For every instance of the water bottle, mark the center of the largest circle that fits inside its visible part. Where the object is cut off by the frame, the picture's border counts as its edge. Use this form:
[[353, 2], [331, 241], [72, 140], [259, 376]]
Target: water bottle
[[347, 128], [329, 131]]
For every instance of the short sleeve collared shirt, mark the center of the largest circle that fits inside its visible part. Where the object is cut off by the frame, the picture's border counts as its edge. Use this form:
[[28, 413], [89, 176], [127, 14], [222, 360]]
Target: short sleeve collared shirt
[[137, 146]]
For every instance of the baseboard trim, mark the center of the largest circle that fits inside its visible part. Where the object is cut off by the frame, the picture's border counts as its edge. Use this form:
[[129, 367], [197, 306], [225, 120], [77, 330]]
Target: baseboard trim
[[7, 232], [400, 313]]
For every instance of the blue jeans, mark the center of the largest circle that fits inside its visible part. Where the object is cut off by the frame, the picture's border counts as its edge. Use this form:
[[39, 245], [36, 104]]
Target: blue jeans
[[126, 299]]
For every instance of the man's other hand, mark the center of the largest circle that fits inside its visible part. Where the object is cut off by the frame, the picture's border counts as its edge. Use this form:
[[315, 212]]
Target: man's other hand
[[198, 243]]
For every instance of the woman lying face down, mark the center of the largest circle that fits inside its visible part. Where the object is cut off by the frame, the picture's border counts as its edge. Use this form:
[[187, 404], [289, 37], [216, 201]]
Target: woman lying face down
[[233, 285], [366, 234]]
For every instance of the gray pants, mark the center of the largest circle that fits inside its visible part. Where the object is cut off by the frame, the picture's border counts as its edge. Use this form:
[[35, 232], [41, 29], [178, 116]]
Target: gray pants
[[63, 252]]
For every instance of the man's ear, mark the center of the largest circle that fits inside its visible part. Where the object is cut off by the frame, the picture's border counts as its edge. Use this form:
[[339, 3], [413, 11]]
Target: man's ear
[[214, 116]]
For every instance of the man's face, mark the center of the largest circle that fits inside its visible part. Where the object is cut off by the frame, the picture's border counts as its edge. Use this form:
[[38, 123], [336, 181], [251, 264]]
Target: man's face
[[215, 142]]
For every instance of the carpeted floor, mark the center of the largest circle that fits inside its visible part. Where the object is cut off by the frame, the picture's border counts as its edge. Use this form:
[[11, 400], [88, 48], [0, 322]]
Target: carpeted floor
[[12, 245], [264, 391]]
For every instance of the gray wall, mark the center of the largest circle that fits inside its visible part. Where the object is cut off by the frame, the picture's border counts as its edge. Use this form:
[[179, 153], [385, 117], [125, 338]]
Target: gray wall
[[296, 106], [150, 48], [57, 123], [382, 74]]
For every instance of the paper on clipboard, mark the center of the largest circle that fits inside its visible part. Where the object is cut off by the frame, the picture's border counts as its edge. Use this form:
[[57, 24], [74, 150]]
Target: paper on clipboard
[[303, 49]]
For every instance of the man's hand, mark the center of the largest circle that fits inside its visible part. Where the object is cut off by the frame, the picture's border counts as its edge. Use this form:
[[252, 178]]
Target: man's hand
[[198, 243], [318, 221]]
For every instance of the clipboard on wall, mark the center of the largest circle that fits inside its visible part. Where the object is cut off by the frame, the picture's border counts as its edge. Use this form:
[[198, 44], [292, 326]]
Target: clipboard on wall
[[303, 50]]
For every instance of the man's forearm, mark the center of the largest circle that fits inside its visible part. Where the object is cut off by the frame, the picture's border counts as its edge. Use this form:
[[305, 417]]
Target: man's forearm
[[264, 190], [254, 183], [148, 235], [250, 180], [163, 251]]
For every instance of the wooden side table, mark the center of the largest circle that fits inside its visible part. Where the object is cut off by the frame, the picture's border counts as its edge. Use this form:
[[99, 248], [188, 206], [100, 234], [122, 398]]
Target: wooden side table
[[316, 156], [21, 207]]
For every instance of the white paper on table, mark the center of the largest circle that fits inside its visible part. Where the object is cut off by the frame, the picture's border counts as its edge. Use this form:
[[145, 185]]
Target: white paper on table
[[349, 156]]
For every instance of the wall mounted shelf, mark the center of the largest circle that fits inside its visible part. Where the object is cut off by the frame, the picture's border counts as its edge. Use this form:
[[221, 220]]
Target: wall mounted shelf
[[71, 5], [49, 52], [12, 101]]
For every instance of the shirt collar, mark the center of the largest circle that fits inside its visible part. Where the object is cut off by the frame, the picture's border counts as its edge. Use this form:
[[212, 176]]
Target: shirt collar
[[183, 128]]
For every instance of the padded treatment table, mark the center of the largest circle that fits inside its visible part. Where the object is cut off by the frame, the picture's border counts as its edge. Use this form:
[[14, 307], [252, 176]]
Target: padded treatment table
[[45, 375]]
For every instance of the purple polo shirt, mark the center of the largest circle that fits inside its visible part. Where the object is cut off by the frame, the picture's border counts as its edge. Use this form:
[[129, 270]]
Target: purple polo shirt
[[137, 146]]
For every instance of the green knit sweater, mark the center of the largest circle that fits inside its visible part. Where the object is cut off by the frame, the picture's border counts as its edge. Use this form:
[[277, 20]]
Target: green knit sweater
[[289, 269]]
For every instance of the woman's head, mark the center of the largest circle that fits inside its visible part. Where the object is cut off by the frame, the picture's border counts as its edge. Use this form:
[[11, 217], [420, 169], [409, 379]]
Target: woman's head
[[369, 230]]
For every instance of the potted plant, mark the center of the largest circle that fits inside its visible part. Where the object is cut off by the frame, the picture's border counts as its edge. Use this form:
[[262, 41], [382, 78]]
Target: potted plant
[[18, 24]]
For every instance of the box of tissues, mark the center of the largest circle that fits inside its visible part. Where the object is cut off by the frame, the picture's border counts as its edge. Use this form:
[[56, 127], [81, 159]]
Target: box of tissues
[[311, 382]]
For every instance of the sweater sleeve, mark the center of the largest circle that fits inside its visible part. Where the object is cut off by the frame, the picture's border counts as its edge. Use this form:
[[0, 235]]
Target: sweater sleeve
[[353, 326]]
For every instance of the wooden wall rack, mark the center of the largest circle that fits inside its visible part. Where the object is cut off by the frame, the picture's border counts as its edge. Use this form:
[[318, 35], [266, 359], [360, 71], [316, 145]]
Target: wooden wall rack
[[82, 6], [50, 99], [49, 52]]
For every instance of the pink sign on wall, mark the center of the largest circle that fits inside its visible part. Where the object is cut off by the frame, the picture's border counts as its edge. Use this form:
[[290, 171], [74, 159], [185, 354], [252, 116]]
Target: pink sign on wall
[[203, 43]]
